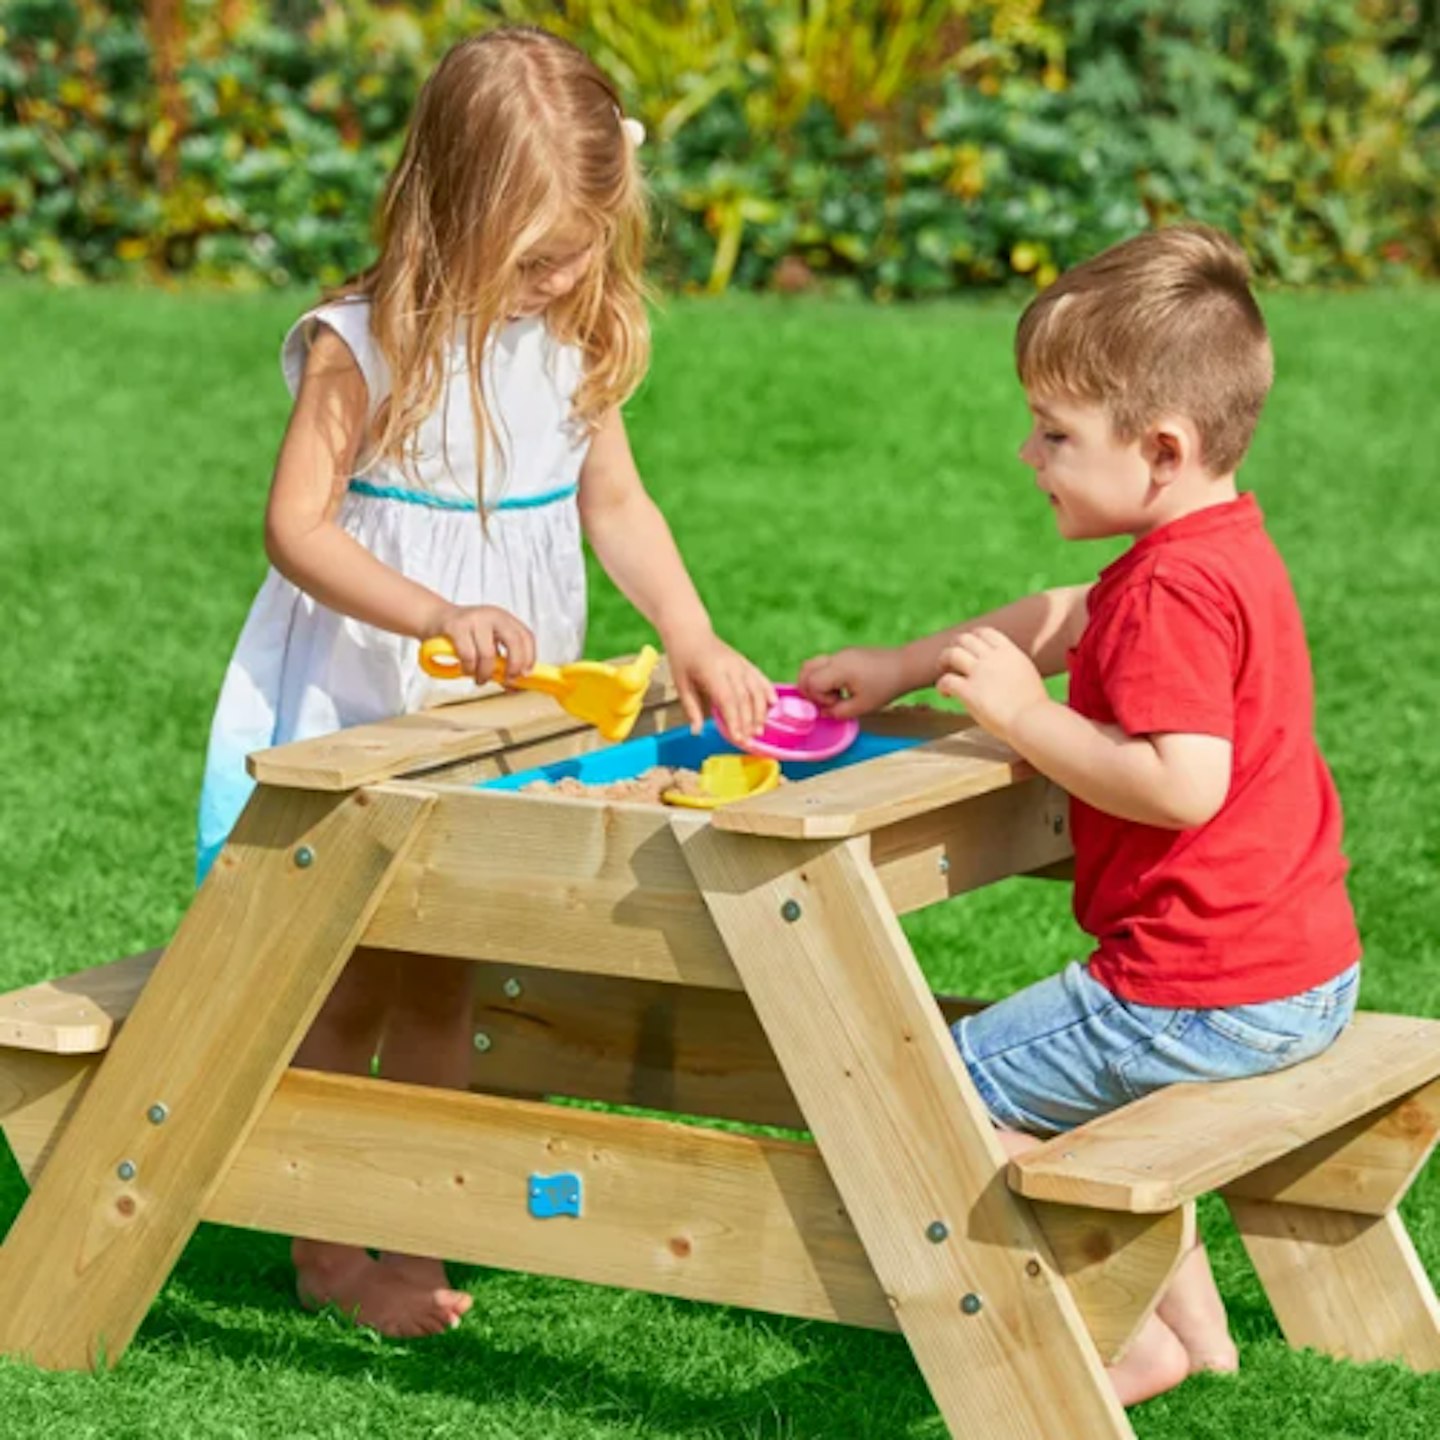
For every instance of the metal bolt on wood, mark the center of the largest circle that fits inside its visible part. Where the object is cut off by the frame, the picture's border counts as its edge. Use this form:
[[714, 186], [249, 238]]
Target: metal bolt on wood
[[158, 1113], [936, 1231], [970, 1304], [482, 1041], [304, 857], [513, 989], [790, 911], [126, 1169]]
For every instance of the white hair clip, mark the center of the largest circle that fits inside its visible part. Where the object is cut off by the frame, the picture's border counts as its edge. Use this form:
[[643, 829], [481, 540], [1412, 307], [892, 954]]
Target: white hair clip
[[634, 130]]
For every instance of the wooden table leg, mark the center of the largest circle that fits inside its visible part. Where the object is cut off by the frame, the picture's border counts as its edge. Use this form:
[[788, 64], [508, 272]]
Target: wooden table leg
[[175, 1097], [1350, 1285], [998, 1336], [1117, 1266], [1364, 1168]]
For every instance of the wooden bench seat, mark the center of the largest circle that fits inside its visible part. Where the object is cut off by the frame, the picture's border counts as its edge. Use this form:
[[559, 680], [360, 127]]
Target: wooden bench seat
[[75, 1014], [1187, 1140], [1312, 1162]]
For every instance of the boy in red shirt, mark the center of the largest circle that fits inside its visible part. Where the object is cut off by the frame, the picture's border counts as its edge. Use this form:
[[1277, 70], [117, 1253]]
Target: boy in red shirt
[[1208, 866]]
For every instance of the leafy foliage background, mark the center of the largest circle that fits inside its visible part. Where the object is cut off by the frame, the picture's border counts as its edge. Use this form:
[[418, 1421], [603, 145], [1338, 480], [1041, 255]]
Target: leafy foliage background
[[894, 147]]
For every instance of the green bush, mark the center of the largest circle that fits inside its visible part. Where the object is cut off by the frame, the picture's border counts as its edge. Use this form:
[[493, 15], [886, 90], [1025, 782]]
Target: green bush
[[900, 147]]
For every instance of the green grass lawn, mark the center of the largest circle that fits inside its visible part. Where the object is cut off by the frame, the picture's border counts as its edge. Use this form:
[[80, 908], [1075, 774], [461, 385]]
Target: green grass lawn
[[834, 473]]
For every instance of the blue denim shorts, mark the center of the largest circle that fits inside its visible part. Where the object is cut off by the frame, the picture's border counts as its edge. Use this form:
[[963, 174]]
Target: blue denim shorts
[[1064, 1050]]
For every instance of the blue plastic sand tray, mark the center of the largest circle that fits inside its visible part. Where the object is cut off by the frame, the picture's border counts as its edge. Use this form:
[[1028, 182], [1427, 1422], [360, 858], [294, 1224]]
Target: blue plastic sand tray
[[680, 750]]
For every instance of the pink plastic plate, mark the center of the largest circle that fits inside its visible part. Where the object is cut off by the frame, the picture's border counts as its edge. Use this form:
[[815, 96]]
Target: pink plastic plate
[[796, 730]]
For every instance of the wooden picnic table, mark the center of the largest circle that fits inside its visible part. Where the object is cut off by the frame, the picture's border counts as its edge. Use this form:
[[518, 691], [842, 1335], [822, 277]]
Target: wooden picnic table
[[746, 964]]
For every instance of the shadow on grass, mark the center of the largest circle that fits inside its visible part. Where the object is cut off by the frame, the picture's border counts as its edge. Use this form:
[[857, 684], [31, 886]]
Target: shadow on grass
[[679, 1367]]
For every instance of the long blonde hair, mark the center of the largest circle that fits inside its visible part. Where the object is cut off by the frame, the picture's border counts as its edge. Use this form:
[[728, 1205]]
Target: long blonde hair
[[516, 135]]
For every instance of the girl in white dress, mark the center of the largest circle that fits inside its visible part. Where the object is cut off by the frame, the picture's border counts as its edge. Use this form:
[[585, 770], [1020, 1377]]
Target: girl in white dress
[[456, 429]]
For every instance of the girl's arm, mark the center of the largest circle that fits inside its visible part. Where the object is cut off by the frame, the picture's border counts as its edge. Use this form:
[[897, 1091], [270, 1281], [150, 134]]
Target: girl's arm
[[634, 545], [631, 539], [317, 458]]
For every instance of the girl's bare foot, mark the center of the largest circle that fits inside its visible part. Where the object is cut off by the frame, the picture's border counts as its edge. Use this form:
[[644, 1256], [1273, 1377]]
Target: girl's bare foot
[[430, 1276], [1193, 1309], [1154, 1363], [368, 1292]]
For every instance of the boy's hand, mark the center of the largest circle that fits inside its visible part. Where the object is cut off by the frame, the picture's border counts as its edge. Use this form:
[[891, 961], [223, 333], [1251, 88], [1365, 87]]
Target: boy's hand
[[993, 678], [704, 667], [853, 681], [479, 633]]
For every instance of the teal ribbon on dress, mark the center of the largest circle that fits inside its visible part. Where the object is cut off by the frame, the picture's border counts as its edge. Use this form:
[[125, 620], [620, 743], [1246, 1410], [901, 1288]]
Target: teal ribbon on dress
[[446, 502]]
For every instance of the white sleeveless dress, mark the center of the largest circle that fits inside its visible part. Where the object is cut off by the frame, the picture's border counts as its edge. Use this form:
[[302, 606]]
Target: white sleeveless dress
[[301, 670]]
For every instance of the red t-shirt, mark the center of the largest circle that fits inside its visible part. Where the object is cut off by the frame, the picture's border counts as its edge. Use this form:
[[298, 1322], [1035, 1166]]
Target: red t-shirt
[[1195, 630]]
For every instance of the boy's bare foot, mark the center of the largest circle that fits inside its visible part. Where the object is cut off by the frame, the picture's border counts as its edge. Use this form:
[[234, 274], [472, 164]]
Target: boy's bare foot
[[368, 1292], [1193, 1309], [1154, 1363], [430, 1275]]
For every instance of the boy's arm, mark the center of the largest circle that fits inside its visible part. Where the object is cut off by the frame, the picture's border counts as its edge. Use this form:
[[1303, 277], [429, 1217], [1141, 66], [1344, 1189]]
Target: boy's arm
[[1175, 781], [859, 679], [1044, 626]]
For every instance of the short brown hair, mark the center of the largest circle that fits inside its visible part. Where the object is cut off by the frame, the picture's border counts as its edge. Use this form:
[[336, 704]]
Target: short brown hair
[[1163, 323]]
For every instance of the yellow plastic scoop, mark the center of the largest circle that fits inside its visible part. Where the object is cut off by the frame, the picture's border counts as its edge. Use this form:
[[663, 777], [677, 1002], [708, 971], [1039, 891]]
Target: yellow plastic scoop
[[605, 696], [727, 778]]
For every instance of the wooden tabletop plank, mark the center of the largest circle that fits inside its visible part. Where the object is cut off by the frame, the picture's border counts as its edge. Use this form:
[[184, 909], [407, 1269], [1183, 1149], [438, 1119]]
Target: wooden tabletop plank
[[364, 754], [860, 798]]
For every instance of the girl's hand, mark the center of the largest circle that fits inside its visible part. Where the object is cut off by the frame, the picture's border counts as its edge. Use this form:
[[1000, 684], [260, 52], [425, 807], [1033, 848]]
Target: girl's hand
[[993, 678], [853, 681], [479, 633], [704, 667]]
